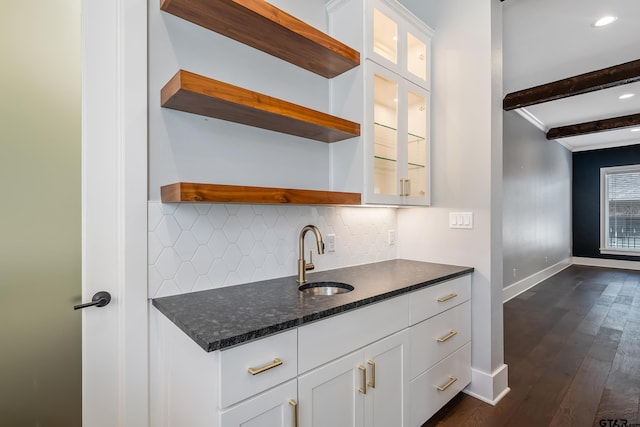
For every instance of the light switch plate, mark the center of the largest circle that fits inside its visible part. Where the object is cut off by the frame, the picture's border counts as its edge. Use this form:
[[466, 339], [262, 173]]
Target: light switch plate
[[461, 220], [331, 242], [392, 237]]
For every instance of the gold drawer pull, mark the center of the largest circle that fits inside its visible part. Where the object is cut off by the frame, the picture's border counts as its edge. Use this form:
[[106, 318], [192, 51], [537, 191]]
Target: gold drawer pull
[[363, 387], [294, 405], [448, 297], [448, 336], [256, 371], [372, 383], [446, 386]]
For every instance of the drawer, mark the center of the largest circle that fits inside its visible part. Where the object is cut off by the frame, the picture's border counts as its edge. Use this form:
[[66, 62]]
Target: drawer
[[435, 299], [237, 383], [434, 339], [328, 339], [425, 397]]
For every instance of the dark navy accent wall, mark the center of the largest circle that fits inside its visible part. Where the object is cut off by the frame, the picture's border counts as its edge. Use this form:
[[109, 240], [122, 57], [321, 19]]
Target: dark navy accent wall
[[586, 196]]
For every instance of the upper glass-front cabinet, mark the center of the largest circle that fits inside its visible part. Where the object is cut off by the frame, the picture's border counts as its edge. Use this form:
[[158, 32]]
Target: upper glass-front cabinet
[[398, 158], [390, 95], [398, 43], [385, 36]]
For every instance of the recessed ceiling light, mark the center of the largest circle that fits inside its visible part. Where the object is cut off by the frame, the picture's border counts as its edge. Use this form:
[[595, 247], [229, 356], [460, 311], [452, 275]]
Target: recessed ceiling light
[[635, 130], [626, 96], [605, 20]]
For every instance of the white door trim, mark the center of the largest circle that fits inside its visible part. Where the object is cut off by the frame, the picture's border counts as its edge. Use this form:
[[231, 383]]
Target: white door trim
[[114, 212]]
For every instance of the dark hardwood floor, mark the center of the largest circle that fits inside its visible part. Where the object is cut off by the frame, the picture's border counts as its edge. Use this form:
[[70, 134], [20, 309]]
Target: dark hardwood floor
[[572, 344]]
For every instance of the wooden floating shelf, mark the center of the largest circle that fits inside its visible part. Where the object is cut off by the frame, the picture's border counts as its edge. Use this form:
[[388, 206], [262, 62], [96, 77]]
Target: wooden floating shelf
[[215, 193], [197, 94], [265, 27]]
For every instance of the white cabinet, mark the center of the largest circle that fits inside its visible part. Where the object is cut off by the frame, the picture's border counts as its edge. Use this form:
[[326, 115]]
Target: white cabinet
[[440, 341], [392, 363], [366, 388], [397, 40], [390, 95], [397, 120], [329, 395], [386, 362]]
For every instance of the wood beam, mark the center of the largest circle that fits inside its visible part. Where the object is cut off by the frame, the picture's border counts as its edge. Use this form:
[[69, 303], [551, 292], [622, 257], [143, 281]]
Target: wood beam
[[595, 126], [617, 75]]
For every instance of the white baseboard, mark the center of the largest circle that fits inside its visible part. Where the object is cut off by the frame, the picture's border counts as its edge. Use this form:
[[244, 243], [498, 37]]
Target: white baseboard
[[489, 388], [609, 263], [517, 288]]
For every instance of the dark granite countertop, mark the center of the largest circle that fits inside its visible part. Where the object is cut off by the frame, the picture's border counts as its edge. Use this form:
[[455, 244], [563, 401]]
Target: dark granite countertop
[[219, 318]]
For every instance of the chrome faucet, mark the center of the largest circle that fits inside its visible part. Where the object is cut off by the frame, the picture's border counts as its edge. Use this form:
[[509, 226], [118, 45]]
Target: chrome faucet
[[303, 266]]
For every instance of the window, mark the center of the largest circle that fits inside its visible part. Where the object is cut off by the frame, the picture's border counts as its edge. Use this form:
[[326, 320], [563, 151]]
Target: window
[[620, 210]]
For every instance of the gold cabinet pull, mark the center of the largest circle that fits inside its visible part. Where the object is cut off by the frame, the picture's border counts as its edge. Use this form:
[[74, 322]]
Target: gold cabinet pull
[[447, 297], [363, 372], [372, 383], [405, 187], [448, 336], [446, 386], [294, 405], [256, 371]]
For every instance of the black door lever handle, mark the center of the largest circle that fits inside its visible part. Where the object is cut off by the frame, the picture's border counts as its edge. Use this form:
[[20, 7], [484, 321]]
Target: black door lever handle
[[100, 299]]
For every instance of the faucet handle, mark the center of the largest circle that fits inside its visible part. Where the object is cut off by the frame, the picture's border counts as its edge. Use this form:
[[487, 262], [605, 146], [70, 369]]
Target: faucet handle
[[309, 265]]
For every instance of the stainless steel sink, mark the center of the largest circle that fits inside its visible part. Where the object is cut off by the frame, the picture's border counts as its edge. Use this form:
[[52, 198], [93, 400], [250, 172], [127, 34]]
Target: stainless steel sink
[[325, 288]]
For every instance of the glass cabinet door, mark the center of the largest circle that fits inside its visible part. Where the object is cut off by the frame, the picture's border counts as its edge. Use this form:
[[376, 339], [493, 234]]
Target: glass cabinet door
[[399, 168], [417, 148], [417, 57], [399, 45], [385, 36], [385, 136]]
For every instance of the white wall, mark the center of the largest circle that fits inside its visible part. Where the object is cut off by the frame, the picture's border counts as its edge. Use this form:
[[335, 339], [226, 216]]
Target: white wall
[[188, 147], [466, 170], [537, 200]]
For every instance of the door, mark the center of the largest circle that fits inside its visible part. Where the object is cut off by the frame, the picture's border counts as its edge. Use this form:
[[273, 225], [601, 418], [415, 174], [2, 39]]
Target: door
[[65, 117], [40, 232], [274, 408], [388, 381], [329, 396], [385, 150], [114, 212], [398, 164]]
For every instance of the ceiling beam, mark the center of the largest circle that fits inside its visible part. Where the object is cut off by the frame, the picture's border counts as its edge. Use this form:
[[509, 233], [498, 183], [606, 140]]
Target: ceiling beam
[[617, 75], [595, 126]]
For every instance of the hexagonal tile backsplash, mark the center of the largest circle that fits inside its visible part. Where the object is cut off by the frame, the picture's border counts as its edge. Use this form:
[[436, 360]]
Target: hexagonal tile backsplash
[[197, 246]]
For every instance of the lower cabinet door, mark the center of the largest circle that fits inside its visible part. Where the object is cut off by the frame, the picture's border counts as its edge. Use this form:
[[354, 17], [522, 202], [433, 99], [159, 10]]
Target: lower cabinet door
[[387, 401], [330, 396], [273, 408]]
